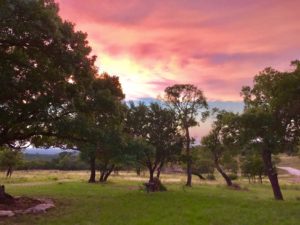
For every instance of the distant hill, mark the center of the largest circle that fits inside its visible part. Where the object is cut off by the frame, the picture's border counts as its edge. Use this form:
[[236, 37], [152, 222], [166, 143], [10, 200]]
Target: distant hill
[[39, 157], [45, 151], [232, 106]]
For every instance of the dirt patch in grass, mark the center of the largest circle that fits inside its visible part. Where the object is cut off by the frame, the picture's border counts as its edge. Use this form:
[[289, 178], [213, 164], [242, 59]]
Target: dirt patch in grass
[[237, 187], [20, 203], [295, 180], [135, 187]]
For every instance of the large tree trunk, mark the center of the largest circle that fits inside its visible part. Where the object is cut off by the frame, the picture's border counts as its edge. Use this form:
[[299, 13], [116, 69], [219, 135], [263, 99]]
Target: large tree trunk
[[272, 174], [222, 172], [189, 159], [92, 169], [260, 178], [4, 197], [151, 175], [9, 172]]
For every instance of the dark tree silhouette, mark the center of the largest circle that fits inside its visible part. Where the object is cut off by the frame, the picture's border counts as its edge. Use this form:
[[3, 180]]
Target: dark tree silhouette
[[271, 119], [44, 67]]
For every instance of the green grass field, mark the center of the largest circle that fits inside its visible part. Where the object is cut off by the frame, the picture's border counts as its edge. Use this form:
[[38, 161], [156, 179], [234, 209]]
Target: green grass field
[[122, 202]]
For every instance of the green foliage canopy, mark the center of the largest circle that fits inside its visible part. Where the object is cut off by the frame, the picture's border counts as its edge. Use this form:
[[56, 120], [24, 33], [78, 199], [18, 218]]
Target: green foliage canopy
[[45, 66]]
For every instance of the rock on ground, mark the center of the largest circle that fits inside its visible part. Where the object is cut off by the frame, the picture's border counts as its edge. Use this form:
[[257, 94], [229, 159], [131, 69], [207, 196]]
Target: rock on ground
[[6, 213]]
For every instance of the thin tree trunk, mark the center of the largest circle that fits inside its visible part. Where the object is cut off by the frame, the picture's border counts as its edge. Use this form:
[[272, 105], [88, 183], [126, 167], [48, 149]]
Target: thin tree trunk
[[9, 172], [102, 174], [222, 172], [138, 171], [92, 169], [260, 178], [272, 174], [159, 169], [189, 160], [108, 173]]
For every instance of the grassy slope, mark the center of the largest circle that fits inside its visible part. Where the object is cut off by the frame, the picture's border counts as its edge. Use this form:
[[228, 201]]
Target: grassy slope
[[120, 202]]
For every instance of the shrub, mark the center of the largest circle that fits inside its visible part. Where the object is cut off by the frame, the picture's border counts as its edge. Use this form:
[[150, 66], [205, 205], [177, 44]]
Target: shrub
[[210, 177], [233, 176]]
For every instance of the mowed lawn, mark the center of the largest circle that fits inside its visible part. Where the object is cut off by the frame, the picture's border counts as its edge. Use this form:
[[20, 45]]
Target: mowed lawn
[[122, 202]]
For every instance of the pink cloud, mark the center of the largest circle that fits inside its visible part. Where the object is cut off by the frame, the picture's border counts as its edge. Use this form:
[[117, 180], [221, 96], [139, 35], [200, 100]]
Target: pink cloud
[[219, 44]]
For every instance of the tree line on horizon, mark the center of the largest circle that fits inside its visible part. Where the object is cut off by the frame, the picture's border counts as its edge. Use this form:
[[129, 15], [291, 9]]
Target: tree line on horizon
[[52, 95]]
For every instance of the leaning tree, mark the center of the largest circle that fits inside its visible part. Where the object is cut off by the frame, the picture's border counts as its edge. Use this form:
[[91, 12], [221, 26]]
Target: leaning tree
[[222, 142], [187, 101], [271, 119]]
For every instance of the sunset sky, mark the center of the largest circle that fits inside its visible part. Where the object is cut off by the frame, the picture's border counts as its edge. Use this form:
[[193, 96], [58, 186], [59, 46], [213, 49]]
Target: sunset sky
[[218, 45]]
